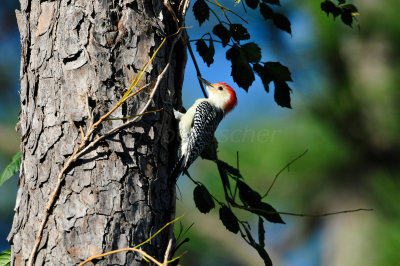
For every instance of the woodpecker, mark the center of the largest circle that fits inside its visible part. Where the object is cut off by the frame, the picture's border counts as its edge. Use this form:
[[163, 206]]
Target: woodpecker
[[197, 126]]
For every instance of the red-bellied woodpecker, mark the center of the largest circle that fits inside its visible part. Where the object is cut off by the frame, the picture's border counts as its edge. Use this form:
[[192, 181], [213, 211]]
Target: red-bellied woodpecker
[[198, 124]]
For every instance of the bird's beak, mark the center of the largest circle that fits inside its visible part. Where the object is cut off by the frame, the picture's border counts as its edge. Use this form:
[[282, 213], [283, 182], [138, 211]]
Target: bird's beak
[[208, 84]]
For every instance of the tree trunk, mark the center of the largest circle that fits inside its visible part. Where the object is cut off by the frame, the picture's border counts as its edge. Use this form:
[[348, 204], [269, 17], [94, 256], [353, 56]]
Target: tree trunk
[[118, 194]]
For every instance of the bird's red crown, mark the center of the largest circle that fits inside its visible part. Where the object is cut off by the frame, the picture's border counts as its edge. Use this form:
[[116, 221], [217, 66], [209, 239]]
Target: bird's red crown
[[232, 100]]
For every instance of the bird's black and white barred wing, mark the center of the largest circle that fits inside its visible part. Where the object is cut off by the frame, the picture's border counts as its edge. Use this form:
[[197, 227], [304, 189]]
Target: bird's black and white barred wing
[[205, 122]]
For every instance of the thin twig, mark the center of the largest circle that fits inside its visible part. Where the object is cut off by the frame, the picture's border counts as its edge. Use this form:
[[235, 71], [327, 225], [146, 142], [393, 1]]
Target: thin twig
[[104, 117], [215, 14], [323, 214], [283, 169], [234, 204], [167, 251], [130, 122], [183, 7], [237, 178], [226, 16], [195, 40], [144, 254], [227, 9], [159, 231], [195, 65], [244, 7], [168, 6], [82, 133]]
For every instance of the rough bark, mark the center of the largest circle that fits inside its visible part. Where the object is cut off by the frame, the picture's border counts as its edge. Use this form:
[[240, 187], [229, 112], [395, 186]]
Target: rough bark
[[117, 195]]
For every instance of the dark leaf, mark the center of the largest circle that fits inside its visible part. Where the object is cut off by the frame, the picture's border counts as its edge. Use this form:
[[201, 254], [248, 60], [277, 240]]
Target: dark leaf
[[261, 232], [272, 2], [229, 219], [350, 7], [282, 22], [278, 72], [201, 11], [5, 257], [224, 176], [252, 3], [268, 212], [264, 75], [330, 8], [282, 94], [230, 169], [261, 251], [203, 200], [247, 195], [252, 52], [264, 255], [238, 32], [242, 72], [347, 18], [342, 1], [233, 53], [206, 52], [266, 11], [12, 168], [223, 33]]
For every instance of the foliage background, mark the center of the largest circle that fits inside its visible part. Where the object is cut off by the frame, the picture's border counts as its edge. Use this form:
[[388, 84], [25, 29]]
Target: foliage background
[[345, 112]]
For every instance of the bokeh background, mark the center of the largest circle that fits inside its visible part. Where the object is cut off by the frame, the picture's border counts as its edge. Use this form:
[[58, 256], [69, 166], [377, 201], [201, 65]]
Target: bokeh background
[[345, 113]]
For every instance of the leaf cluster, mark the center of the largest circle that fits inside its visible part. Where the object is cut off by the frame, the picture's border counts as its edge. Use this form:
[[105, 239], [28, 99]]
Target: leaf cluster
[[246, 57], [249, 200], [348, 12]]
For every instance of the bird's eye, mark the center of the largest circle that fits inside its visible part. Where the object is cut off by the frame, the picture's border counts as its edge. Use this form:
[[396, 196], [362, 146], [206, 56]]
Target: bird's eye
[[220, 88]]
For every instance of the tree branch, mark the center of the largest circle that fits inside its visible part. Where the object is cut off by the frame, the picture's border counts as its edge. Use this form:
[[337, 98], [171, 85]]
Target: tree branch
[[283, 169]]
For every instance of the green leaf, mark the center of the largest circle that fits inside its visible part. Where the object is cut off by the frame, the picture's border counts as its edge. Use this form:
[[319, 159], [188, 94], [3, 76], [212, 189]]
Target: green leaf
[[223, 33], [201, 11], [252, 52], [229, 219], [272, 2], [278, 72], [238, 32], [266, 11], [203, 199], [252, 3], [242, 72], [5, 257], [261, 232], [342, 1], [282, 22], [264, 75], [282, 94], [12, 168], [268, 212], [206, 52], [247, 195]]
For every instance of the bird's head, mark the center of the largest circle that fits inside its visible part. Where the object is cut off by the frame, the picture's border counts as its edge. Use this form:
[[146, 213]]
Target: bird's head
[[221, 94]]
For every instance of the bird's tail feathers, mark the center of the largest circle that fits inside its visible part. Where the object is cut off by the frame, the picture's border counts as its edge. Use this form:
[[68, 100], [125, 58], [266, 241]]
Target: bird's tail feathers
[[177, 170]]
